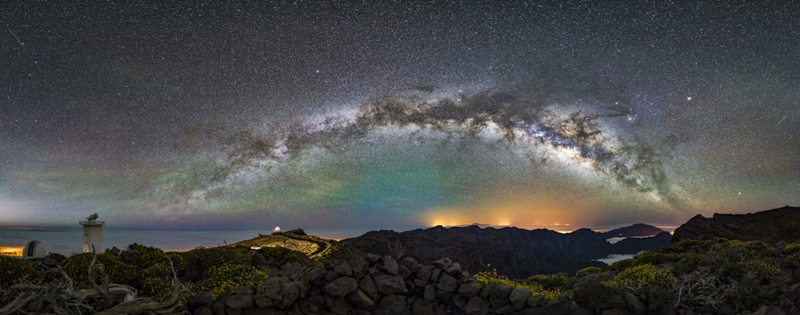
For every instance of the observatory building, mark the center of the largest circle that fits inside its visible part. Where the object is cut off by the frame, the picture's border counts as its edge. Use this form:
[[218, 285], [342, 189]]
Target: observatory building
[[34, 249], [92, 234]]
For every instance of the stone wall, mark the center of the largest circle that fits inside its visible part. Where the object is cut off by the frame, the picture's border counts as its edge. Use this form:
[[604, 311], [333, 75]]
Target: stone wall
[[380, 285]]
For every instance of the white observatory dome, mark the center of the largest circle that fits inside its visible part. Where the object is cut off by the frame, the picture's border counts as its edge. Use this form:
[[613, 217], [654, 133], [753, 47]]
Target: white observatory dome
[[34, 249]]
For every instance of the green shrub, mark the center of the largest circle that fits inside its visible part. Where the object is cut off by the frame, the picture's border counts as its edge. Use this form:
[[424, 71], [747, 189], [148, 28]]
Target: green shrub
[[641, 276], [554, 281], [588, 271], [792, 248], [490, 277], [689, 262], [157, 281], [654, 258], [77, 267], [14, 270], [228, 277]]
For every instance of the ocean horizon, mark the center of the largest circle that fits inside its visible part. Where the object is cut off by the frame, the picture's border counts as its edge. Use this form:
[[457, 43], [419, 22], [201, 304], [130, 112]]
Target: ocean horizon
[[68, 240]]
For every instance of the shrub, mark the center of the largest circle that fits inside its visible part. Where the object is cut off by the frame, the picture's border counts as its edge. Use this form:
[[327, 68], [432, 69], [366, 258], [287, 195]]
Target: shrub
[[157, 281], [641, 276], [554, 281], [14, 270], [792, 248], [490, 277], [588, 271], [228, 277], [654, 258], [77, 267], [689, 262]]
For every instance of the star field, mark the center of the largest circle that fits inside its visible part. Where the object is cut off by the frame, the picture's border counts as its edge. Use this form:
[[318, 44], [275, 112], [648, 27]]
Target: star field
[[342, 114]]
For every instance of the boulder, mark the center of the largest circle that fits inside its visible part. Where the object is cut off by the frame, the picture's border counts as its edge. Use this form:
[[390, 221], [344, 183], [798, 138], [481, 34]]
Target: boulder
[[443, 263], [202, 310], [239, 302], [393, 305], [598, 296], [423, 307], [634, 304], [344, 269], [389, 284], [447, 283], [269, 292], [290, 293], [317, 276], [470, 288], [454, 270], [534, 301], [388, 264], [198, 300], [429, 293], [361, 300], [368, 286], [519, 297], [476, 306], [341, 286]]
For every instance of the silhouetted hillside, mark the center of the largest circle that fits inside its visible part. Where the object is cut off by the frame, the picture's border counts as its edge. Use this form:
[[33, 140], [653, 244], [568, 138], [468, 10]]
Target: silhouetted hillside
[[770, 226], [512, 251], [636, 230]]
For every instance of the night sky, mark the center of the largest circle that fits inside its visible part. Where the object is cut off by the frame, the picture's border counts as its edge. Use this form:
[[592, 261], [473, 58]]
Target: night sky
[[345, 114]]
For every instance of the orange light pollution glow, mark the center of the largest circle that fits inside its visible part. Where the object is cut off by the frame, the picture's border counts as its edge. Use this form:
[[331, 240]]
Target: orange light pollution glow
[[550, 218], [11, 251]]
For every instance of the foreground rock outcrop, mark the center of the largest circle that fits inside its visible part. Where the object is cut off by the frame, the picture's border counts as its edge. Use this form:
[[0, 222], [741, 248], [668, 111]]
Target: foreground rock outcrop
[[770, 226], [381, 285]]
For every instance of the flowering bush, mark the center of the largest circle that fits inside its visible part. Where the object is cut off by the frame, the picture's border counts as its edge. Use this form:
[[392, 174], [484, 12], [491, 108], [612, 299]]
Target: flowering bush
[[641, 276], [490, 277]]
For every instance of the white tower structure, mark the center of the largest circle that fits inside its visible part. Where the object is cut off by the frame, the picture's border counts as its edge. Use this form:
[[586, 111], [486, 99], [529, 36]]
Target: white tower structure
[[92, 234]]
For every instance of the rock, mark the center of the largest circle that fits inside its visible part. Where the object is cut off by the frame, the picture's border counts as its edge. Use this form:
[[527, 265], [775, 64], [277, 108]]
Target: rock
[[533, 301], [502, 291], [331, 275], [422, 307], [447, 283], [341, 286], [361, 300], [429, 293], [454, 270], [435, 273], [419, 283], [202, 310], [655, 297], [558, 306], [239, 302], [317, 276], [617, 311], [598, 296], [290, 293], [233, 311], [269, 292], [388, 284], [368, 286], [443, 263], [577, 310], [476, 306], [505, 309], [244, 290], [769, 310], [422, 272], [404, 272], [337, 305], [388, 264], [344, 269], [470, 288], [634, 304], [198, 300], [519, 297], [667, 309], [372, 259], [393, 305]]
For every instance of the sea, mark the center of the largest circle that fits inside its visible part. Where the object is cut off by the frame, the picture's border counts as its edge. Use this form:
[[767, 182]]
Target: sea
[[67, 241]]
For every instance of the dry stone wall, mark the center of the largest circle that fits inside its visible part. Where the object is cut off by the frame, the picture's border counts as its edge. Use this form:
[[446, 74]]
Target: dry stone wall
[[381, 285]]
